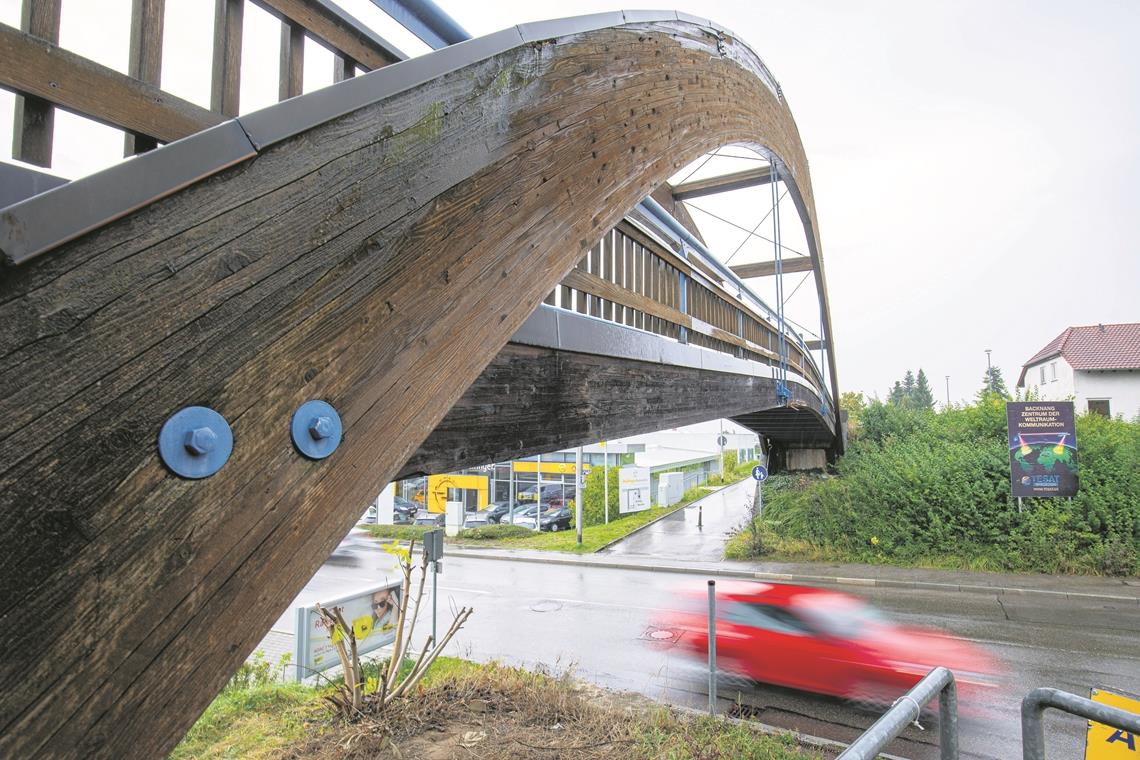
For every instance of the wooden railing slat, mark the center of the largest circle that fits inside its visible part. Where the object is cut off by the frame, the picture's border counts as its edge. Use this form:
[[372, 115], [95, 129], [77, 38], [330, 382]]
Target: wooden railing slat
[[34, 126], [225, 82], [331, 29], [70, 81], [292, 70], [145, 61]]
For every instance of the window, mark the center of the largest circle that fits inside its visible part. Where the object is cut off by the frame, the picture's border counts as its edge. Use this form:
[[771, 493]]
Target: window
[[765, 617], [1053, 369], [1099, 406], [1042, 374]]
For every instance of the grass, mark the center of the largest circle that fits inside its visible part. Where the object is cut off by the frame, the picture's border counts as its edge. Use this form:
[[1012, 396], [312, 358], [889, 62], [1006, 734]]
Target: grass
[[594, 537], [493, 710]]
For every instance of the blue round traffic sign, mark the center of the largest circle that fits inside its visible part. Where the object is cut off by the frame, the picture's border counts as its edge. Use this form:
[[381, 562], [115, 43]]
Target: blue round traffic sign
[[760, 472]]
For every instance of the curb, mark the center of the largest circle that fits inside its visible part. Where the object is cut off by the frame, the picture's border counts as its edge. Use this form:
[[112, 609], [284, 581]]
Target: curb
[[818, 742], [801, 578]]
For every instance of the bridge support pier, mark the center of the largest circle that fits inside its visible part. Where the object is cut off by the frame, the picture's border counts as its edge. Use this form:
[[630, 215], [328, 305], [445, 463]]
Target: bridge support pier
[[802, 460]]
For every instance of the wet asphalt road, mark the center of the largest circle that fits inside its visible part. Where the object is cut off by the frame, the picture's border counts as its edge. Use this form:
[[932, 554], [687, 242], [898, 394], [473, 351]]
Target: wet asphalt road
[[600, 621]]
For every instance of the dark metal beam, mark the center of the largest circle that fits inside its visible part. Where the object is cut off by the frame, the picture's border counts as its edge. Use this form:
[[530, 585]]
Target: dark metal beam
[[722, 184]]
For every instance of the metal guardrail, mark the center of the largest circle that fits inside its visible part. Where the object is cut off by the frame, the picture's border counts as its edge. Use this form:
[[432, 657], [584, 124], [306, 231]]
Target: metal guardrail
[[1037, 701], [906, 709]]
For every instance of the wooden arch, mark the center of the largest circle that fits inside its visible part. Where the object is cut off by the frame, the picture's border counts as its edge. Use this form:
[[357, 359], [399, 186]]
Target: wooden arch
[[377, 261]]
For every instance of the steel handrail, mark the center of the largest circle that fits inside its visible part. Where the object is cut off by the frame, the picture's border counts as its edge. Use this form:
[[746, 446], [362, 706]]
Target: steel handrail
[[1037, 701], [906, 709]]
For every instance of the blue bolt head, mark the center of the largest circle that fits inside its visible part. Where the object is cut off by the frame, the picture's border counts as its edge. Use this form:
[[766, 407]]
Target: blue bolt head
[[320, 428], [201, 441]]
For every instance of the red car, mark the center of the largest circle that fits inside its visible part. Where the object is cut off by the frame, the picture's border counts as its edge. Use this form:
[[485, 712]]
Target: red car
[[827, 642]]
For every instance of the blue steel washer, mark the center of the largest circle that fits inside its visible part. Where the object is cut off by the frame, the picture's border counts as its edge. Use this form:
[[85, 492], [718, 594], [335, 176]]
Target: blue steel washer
[[195, 442], [316, 429]]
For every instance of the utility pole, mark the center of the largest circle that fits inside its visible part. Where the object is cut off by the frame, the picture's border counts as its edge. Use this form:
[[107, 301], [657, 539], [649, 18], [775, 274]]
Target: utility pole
[[578, 494], [988, 365], [947, 391]]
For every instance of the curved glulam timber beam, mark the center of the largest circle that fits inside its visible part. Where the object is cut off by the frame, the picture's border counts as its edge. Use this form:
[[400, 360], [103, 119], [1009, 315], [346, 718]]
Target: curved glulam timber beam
[[377, 261]]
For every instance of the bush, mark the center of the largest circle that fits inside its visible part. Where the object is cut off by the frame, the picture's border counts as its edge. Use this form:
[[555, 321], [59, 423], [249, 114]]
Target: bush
[[920, 487], [491, 532], [593, 496]]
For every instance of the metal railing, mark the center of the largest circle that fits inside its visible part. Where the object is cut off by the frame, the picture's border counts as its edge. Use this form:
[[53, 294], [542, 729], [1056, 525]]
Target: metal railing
[[906, 709], [1037, 701]]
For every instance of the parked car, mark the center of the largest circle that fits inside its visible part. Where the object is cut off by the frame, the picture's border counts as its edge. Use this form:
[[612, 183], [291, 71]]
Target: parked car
[[827, 642], [552, 519], [431, 519], [400, 504], [497, 510], [477, 520], [402, 518], [549, 492]]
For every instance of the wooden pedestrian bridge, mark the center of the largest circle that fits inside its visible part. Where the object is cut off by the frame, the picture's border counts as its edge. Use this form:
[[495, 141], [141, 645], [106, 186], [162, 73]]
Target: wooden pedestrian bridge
[[467, 256]]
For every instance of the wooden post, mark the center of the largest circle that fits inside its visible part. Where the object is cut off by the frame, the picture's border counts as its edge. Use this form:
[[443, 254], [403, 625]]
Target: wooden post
[[343, 68], [34, 117], [225, 82], [292, 61], [145, 62]]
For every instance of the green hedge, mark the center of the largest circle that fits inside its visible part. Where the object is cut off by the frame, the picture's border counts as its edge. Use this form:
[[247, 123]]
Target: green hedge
[[919, 487]]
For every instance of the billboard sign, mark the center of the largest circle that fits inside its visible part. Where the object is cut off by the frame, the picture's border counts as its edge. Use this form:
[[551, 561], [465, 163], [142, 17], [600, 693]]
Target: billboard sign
[[1042, 448], [372, 613], [634, 489]]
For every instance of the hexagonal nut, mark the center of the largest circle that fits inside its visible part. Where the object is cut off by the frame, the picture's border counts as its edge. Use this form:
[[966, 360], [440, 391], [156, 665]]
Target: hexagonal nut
[[321, 428], [201, 441]]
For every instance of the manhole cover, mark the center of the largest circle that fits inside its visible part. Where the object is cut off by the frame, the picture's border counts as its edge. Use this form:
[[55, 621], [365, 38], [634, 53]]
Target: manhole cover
[[546, 605]]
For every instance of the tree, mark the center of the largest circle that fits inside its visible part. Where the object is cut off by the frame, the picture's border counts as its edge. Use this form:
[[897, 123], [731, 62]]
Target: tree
[[854, 404], [993, 384], [922, 398], [908, 386], [897, 395]]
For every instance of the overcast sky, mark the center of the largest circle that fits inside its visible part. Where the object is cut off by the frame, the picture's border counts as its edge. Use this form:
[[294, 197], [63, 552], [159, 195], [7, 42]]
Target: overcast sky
[[975, 163]]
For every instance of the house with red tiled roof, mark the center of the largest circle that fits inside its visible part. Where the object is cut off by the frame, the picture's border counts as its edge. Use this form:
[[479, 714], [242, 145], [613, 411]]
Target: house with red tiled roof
[[1098, 366]]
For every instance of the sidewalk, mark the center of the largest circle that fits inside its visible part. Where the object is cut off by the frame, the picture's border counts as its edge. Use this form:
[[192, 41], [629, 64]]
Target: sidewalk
[[842, 574]]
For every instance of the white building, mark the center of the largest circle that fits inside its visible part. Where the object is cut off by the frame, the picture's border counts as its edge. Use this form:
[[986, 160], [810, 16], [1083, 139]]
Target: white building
[[1098, 366]]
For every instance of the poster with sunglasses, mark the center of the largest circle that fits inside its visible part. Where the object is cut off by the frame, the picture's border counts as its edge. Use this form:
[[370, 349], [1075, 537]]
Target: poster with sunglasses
[[372, 614]]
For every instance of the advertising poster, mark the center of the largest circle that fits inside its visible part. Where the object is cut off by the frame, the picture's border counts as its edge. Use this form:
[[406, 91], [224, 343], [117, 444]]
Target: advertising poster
[[1042, 448], [633, 484], [372, 613]]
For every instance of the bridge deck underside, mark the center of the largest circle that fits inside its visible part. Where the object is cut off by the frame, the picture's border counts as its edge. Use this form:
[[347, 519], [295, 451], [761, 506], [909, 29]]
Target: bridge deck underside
[[532, 400]]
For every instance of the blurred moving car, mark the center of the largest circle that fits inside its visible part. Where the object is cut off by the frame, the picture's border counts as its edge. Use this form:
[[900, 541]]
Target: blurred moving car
[[551, 519], [348, 551], [827, 642], [476, 520], [437, 520]]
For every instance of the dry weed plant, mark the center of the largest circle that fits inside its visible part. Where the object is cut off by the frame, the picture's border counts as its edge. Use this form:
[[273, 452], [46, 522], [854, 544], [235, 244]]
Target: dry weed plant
[[359, 697]]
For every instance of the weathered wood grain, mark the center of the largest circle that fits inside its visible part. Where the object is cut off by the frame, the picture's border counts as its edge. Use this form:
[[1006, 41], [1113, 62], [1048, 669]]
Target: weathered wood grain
[[378, 262], [534, 400]]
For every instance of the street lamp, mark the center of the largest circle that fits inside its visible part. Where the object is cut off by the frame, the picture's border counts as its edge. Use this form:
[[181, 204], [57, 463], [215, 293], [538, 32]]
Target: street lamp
[[988, 365], [947, 391]]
